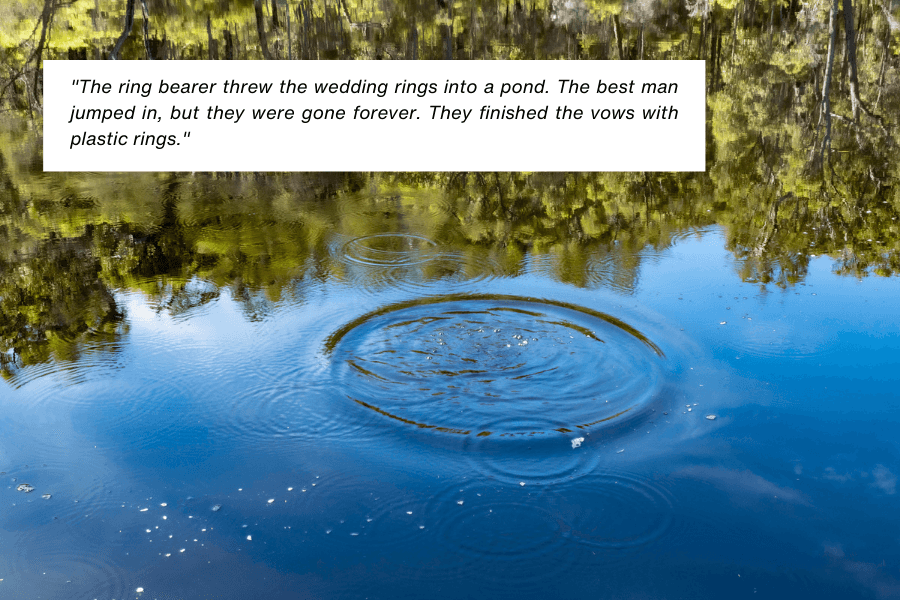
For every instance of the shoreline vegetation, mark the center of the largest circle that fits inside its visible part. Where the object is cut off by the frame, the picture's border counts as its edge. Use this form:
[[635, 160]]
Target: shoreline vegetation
[[802, 155]]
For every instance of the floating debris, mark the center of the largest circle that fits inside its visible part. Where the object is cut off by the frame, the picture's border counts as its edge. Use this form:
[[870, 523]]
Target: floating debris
[[460, 502], [271, 500], [711, 417], [723, 323], [144, 509], [522, 483], [249, 538], [26, 488], [620, 451], [164, 504], [577, 442], [217, 508], [46, 496], [139, 590]]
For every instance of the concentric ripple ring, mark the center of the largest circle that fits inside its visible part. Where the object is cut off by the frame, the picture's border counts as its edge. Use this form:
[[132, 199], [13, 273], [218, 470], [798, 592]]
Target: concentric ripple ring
[[495, 366]]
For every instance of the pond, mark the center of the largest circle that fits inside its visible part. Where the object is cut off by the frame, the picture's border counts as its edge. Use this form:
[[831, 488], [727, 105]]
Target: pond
[[461, 385], [247, 390]]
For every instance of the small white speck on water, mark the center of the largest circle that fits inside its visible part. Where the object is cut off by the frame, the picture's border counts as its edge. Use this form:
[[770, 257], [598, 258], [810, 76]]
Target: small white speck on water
[[148, 531], [327, 531], [354, 534], [711, 417], [271, 500], [522, 483], [139, 590], [168, 555], [460, 502], [409, 512], [577, 442], [723, 323], [142, 510], [689, 410], [164, 504], [165, 517], [290, 489], [249, 538], [182, 550], [46, 496], [620, 451]]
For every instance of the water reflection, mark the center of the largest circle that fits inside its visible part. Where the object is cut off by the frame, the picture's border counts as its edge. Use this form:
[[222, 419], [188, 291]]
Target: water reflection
[[185, 239]]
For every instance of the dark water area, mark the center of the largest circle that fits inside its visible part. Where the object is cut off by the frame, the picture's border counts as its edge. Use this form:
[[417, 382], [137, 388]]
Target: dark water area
[[461, 385], [242, 393]]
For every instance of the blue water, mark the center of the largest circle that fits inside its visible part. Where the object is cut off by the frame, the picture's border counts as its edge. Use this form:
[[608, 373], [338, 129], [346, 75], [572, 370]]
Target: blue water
[[383, 432]]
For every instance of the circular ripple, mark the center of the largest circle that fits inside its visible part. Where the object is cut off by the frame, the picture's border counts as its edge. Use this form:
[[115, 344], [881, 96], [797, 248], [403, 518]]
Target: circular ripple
[[614, 511], [495, 366], [411, 262], [500, 534], [532, 452], [390, 250]]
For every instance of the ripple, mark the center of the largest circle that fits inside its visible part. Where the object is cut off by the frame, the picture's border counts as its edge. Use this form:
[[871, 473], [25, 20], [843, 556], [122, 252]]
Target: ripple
[[390, 249], [47, 562], [613, 511], [538, 456], [411, 262], [500, 534], [495, 366], [269, 412]]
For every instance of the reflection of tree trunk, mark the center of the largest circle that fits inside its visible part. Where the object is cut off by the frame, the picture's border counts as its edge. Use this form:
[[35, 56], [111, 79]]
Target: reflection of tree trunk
[[829, 69], [412, 43], [617, 32], [287, 18], [641, 51], [229, 44], [46, 18], [212, 45], [145, 13], [126, 30], [884, 55], [261, 30], [275, 23], [850, 36]]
